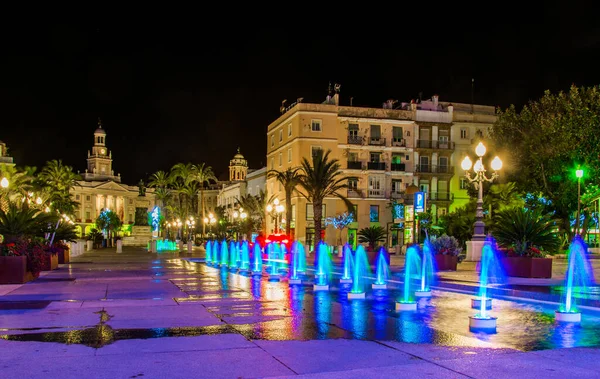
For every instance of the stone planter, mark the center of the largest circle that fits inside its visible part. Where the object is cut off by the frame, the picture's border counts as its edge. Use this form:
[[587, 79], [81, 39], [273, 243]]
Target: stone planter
[[526, 267], [445, 262], [119, 246], [13, 270], [64, 257], [50, 262]]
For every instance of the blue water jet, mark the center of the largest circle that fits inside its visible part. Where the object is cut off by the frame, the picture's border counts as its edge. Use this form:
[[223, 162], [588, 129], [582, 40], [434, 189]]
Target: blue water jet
[[215, 252], [256, 260], [244, 256], [348, 264], [360, 267], [382, 272], [323, 267], [412, 270], [297, 254], [427, 270], [233, 255], [208, 248], [224, 254], [578, 278], [274, 251]]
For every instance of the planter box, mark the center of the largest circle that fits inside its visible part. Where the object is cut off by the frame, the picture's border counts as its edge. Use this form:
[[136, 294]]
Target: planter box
[[526, 267], [445, 262], [372, 257], [64, 257], [13, 270], [50, 262]]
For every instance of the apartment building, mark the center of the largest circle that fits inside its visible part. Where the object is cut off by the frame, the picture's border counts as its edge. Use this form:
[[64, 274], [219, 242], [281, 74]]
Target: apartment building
[[382, 151]]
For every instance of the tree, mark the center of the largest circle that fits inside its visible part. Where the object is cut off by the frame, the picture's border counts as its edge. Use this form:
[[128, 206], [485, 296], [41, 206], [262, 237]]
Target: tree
[[547, 141], [203, 174], [160, 181], [289, 179], [59, 179], [319, 180], [110, 222], [20, 220], [372, 236]]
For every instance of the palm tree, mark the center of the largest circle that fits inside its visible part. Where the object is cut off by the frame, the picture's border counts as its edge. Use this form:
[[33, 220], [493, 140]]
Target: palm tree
[[372, 236], [59, 179], [160, 180], [162, 195], [20, 183], [203, 175], [289, 179], [20, 220], [321, 179], [191, 193]]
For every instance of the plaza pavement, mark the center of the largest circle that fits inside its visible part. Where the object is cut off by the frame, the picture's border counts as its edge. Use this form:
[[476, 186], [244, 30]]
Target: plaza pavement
[[141, 315]]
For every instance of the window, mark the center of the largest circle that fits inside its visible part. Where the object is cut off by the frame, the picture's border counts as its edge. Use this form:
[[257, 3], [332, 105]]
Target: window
[[289, 155], [397, 186], [314, 150], [443, 164], [280, 159], [375, 157], [310, 214], [281, 135], [289, 130], [88, 215], [272, 163], [464, 184], [397, 132], [352, 184], [375, 189], [442, 211], [77, 197], [352, 157], [375, 132], [87, 198], [353, 130], [396, 159], [464, 133], [315, 125], [272, 140], [374, 213], [407, 157]]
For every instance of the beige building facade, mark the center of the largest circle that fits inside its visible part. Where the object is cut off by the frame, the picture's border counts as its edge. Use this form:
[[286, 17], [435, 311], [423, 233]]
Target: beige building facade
[[382, 151]]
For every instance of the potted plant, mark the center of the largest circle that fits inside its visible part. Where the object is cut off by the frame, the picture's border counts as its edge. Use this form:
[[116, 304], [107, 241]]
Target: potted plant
[[49, 256], [446, 254], [96, 237], [372, 236], [526, 236], [20, 261]]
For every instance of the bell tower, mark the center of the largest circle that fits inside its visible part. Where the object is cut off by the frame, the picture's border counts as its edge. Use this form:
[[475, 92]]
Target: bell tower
[[99, 161], [238, 167]]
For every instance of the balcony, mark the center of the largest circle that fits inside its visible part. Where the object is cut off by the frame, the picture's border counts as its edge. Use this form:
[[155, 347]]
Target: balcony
[[399, 142], [376, 166], [353, 192], [397, 195], [440, 196], [355, 165], [398, 167], [438, 145], [355, 140], [376, 193], [434, 169], [377, 141]]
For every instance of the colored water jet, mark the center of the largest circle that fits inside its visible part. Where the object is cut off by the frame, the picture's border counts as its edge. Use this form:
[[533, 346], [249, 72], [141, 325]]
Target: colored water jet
[[427, 272], [224, 254], [323, 268], [382, 272], [256, 260], [273, 250], [233, 255], [361, 265], [490, 272], [215, 253], [297, 254], [412, 268], [208, 248], [244, 256], [348, 264], [578, 278]]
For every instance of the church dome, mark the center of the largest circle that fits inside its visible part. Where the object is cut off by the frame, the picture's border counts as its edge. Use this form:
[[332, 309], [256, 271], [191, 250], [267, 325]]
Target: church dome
[[100, 131], [238, 155]]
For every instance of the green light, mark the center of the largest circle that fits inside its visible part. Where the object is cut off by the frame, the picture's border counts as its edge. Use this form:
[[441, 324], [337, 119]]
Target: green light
[[579, 173]]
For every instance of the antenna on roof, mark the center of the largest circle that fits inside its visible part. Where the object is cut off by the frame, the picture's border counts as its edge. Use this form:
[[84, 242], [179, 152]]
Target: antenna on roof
[[472, 94]]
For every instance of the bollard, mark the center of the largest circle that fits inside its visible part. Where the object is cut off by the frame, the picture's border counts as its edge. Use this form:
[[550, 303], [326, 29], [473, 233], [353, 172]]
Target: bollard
[[189, 247], [119, 246], [153, 246]]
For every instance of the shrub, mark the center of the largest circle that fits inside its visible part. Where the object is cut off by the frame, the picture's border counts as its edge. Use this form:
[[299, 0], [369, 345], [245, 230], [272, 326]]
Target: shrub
[[372, 236], [446, 245]]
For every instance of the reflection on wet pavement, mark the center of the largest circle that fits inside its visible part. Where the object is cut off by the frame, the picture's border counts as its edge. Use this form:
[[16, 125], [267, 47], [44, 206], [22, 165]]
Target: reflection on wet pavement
[[260, 309]]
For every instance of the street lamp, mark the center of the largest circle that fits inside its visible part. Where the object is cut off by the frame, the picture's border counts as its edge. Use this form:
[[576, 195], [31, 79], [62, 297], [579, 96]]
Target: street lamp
[[210, 220], [579, 175], [478, 178], [276, 210], [4, 183]]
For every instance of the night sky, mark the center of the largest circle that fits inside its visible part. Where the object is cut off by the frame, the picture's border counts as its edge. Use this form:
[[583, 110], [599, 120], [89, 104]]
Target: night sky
[[192, 87]]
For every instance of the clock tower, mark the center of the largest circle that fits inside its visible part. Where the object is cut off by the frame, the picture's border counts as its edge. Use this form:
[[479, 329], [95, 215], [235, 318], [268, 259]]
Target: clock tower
[[100, 159]]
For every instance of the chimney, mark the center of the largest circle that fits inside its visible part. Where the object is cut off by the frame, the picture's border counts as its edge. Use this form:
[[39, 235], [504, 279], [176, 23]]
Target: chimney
[[450, 108], [413, 105], [434, 99]]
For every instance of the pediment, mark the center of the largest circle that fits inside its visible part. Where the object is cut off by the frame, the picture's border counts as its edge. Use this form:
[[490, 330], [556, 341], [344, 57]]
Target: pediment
[[112, 186]]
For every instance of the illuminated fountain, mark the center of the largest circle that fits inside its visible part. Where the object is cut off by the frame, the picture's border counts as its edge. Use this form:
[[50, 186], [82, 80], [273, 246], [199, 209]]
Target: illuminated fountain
[[382, 272], [233, 256], [166, 245], [244, 257], [215, 253], [412, 265], [427, 274], [302, 260], [490, 272], [323, 269], [208, 248], [348, 262], [578, 278], [361, 265], [224, 254], [257, 260], [297, 255], [273, 253]]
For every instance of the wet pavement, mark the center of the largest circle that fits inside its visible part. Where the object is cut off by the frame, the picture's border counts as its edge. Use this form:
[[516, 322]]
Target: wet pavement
[[138, 314]]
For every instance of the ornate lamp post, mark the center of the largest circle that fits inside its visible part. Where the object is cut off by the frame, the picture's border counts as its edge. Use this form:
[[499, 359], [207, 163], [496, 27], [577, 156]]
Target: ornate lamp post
[[579, 175], [210, 220], [478, 177], [276, 210]]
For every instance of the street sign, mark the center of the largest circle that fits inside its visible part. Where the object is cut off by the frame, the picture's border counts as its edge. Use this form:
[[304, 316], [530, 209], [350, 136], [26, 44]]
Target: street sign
[[419, 202]]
